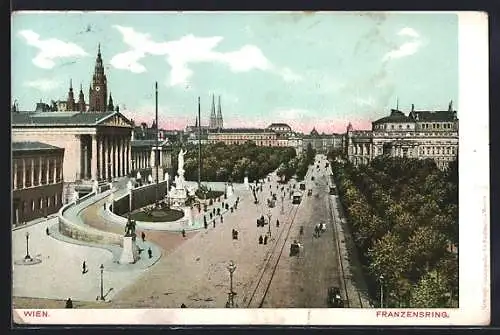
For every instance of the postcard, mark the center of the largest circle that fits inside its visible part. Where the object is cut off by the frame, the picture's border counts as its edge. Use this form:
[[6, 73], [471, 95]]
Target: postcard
[[250, 168]]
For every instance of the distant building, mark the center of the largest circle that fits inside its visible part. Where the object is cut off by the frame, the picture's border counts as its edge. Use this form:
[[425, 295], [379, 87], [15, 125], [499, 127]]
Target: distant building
[[420, 134], [261, 137], [280, 128], [322, 143], [37, 180]]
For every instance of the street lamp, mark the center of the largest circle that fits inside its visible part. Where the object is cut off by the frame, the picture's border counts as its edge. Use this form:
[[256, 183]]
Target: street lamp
[[269, 225], [102, 286], [27, 257], [381, 291], [231, 268]]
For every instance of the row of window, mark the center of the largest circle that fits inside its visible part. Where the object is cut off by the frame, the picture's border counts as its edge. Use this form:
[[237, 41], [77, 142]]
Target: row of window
[[244, 137], [438, 150], [41, 203], [436, 125], [33, 168]]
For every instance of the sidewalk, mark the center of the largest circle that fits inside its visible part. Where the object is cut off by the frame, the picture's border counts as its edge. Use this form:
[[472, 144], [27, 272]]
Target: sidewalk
[[59, 275]]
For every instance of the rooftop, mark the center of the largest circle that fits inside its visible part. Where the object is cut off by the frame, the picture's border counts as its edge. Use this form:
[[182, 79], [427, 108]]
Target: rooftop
[[59, 118], [242, 130], [30, 146]]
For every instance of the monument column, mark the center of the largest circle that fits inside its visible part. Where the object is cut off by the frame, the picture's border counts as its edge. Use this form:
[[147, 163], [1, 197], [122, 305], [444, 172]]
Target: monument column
[[93, 165], [47, 162], [152, 158], [105, 160], [85, 160], [32, 172]]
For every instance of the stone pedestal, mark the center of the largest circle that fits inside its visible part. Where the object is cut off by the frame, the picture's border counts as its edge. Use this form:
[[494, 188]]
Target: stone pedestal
[[130, 253], [229, 191], [245, 181]]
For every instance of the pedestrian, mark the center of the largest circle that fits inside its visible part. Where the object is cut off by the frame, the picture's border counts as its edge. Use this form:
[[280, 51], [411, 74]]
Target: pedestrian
[[183, 233], [47, 231], [214, 223], [104, 206], [265, 240], [84, 267], [210, 216], [277, 223], [183, 306], [150, 252], [221, 219], [260, 239], [205, 225], [69, 303], [143, 236]]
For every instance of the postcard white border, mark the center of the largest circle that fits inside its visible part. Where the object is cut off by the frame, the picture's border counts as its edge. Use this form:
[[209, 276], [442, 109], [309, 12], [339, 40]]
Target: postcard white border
[[474, 257]]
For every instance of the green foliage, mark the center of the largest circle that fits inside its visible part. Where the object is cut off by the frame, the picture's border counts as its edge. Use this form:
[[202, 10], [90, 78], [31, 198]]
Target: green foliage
[[404, 218], [222, 162]]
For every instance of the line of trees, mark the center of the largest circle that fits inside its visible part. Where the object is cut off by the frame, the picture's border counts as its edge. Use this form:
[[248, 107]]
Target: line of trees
[[404, 217], [297, 166], [233, 162]]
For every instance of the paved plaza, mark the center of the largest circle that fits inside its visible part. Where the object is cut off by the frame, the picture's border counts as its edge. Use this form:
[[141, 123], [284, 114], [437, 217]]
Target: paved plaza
[[59, 275]]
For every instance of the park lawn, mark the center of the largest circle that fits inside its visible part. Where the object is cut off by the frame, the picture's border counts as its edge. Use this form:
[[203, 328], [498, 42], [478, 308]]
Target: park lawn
[[167, 215]]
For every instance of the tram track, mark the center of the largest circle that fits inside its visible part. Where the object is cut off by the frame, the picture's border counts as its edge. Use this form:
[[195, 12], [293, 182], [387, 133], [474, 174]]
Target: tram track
[[336, 238], [261, 286]]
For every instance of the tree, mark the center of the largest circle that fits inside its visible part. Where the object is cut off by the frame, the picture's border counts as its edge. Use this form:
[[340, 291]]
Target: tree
[[430, 292]]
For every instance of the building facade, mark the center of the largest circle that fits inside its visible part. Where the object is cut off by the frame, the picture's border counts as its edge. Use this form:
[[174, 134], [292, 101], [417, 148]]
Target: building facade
[[420, 134], [261, 137], [322, 143], [37, 180]]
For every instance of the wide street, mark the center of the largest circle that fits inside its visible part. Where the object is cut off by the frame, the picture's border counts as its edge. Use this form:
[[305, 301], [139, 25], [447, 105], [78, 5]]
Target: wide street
[[193, 270]]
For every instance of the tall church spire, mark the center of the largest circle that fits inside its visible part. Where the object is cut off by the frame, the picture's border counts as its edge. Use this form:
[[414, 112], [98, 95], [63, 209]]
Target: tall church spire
[[213, 117], [220, 123], [70, 102], [110, 104], [82, 106]]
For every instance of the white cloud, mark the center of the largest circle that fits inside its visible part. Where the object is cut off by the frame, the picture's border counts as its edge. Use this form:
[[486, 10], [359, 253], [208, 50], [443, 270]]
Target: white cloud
[[190, 49], [44, 85], [409, 32], [50, 49], [290, 76], [408, 48]]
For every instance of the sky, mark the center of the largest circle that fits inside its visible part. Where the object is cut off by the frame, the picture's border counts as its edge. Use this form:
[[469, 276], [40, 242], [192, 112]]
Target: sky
[[305, 69]]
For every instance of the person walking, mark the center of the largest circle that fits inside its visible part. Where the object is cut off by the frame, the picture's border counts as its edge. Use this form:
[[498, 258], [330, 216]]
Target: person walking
[[277, 223], [143, 236], [69, 303], [84, 267], [221, 219], [150, 252], [47, 231], [265, 240], [183, 233], [260, 239]]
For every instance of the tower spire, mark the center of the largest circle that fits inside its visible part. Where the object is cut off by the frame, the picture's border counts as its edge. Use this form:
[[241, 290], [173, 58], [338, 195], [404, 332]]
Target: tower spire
[[213, 117], [219, 115]]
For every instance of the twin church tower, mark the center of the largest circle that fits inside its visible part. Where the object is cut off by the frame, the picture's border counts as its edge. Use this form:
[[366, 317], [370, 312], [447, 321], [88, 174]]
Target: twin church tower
[[98, 92]]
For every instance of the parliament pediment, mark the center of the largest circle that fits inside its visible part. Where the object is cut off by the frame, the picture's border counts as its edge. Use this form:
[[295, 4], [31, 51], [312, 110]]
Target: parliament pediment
[[116, 120]]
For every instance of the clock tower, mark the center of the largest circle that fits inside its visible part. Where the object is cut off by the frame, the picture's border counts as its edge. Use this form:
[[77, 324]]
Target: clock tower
[[99, 88]]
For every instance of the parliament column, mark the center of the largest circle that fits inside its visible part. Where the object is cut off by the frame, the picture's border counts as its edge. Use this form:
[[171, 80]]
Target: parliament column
[[129, 159], [40, 161], [24, 174], [55, 171], [105, 160], [47, 161], [33, 172], [123, 158], [93, 162], [14, 182], [115, 162]]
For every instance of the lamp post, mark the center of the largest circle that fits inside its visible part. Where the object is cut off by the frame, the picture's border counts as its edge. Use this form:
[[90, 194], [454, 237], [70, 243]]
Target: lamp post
[[102, 286], [231, 268], [381, 291], [269, 215], [27, 257]]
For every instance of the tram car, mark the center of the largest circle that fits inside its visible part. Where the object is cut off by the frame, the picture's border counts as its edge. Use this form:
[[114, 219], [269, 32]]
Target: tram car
[[296, 198]]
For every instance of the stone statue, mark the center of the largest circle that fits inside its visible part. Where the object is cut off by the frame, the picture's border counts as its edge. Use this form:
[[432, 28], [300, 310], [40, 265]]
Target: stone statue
[[181, 160], [130, 227]]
